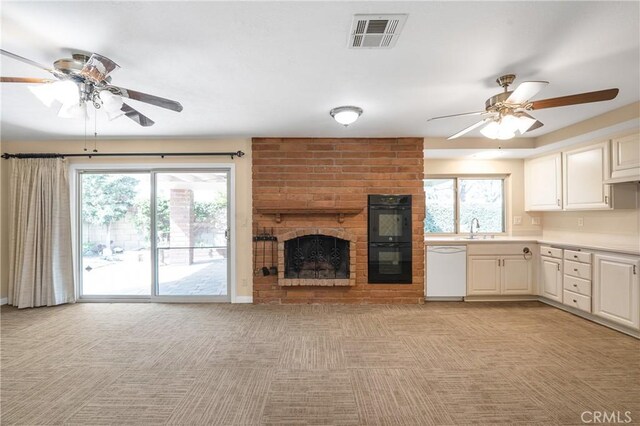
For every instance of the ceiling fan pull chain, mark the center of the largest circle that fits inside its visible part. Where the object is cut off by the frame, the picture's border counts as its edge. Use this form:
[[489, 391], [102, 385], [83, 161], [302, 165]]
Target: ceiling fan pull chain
[[95, 131], [85, 132]]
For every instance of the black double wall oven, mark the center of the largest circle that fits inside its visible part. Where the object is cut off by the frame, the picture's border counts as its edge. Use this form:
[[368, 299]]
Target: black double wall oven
[[390, 239]]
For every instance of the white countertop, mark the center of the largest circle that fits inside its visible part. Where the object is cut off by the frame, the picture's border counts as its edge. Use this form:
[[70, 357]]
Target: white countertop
[[457, 240]]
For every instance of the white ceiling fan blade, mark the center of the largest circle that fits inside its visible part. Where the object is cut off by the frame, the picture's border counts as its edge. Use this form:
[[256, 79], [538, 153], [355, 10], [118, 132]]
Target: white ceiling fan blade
[[458, 115], [26, 61], [526, 91], [536, 125], [468, 129]]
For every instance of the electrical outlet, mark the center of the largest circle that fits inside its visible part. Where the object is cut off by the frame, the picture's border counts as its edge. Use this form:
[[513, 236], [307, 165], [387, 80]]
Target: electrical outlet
[[535, 221], [517, 220], [580, 221]]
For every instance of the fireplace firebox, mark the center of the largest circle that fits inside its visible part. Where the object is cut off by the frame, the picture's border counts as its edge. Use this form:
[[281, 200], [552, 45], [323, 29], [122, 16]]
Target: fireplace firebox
[[316, 257]]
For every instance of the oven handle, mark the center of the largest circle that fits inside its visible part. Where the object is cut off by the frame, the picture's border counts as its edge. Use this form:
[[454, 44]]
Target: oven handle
[[389, 244], [390, 207]]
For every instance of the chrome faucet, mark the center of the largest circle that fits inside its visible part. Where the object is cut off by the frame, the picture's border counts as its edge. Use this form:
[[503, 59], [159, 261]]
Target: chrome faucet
[[471, 227]]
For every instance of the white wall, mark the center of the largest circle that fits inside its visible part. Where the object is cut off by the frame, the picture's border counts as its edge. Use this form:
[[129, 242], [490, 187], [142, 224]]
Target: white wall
[[243, 186], [4, 227], [613, 228]]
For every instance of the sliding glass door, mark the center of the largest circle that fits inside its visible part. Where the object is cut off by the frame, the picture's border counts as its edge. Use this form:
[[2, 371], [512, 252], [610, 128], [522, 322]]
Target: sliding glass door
[[115, 228], [192, 216], [159, 234]]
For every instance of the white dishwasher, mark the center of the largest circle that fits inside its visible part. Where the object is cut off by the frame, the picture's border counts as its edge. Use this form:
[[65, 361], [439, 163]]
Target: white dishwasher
[[446, 277]]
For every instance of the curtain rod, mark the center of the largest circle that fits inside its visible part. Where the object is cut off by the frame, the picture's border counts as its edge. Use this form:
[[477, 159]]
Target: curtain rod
[[124, 154]]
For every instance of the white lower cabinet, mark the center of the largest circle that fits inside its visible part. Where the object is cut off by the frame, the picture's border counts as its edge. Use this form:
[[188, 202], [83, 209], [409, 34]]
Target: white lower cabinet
[[516, 275], [499, 275], [483, 275], [551, 278], [616, 289]]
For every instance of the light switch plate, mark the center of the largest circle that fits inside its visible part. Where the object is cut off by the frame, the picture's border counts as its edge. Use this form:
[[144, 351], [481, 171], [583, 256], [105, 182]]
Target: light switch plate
[[535, 221], [580, 221], [517, 220]]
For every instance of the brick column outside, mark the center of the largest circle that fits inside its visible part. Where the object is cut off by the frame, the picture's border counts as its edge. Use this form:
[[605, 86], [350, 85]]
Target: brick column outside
[[181, 225]]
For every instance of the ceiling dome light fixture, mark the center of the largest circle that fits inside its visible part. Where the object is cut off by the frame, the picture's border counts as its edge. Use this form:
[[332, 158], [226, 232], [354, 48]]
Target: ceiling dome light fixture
[[346, 115]]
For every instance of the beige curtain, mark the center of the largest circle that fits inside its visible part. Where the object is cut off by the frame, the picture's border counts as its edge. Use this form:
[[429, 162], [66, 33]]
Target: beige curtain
[[40, 262]]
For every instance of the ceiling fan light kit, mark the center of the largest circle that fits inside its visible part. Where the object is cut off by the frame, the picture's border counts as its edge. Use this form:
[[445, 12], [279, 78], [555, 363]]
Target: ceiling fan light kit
[[82, 80], [346, 115], [506, 113]]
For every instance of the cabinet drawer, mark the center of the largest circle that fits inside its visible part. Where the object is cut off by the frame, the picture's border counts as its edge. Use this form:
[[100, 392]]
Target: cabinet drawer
[[551, 252], [578, 256], [577, 285], [575, 269], [576, 300]]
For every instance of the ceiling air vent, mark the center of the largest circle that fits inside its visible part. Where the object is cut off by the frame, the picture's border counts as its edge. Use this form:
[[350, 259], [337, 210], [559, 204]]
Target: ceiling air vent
[[376, 31]]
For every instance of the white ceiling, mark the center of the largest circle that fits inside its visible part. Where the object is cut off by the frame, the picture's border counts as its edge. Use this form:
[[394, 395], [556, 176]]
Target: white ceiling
[[245, 69]]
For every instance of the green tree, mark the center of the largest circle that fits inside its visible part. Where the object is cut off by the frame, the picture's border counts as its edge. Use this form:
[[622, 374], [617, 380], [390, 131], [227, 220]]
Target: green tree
[[142, 218], [107, 199]]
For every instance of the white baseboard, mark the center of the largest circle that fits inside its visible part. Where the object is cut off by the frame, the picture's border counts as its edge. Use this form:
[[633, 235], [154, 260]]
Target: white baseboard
[[244, 299], [3, 301]]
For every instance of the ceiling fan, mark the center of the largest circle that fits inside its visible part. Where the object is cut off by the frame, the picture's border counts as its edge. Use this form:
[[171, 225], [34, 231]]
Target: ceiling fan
[[84, 79], [508, 112]]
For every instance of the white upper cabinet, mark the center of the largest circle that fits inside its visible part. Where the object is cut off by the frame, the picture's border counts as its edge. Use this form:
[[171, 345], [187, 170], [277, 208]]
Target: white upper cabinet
[[625, 158], [585, 170], [543, 183], [600, 176]]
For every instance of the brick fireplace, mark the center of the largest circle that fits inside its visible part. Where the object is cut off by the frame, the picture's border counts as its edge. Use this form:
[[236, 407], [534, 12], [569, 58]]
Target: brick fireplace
[[305, 187]]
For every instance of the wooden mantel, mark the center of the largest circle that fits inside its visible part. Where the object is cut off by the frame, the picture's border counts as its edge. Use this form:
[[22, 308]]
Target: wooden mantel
[[306, 211]]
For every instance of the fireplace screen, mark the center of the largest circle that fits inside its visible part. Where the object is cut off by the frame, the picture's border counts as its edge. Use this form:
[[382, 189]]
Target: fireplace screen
[[316, 257]]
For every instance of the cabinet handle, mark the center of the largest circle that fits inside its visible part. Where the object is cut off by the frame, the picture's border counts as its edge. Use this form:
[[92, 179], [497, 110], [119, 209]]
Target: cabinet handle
[[606, 199], [575, 285], [575, 270], [634, 269], [575, 256], [548, 252], [558, 201], [575, 301], [558, 266]]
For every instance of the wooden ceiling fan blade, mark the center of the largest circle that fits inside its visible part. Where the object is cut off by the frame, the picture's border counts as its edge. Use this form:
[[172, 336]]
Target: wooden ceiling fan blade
[[98, 67], [144, 97], [458, 115], [136, 116], [26, 61], [581, 98], [467, 129], [24, 80], [526, 91]]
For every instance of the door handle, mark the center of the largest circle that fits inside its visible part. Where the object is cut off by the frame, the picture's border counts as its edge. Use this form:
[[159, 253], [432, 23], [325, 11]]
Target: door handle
[[558, 201]]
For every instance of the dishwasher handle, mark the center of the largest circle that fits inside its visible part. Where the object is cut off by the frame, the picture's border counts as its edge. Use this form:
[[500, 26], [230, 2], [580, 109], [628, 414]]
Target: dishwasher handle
[[447, 249]]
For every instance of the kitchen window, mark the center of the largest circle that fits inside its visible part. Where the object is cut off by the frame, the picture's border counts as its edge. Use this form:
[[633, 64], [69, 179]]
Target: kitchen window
[[453, 202]]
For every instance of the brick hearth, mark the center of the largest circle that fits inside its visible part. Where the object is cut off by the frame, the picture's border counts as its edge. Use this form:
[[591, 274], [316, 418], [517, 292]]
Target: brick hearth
[[335, 173]]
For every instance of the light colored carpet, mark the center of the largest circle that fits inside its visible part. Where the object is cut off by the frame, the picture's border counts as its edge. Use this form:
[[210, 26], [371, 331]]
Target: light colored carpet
[[203, 364]]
